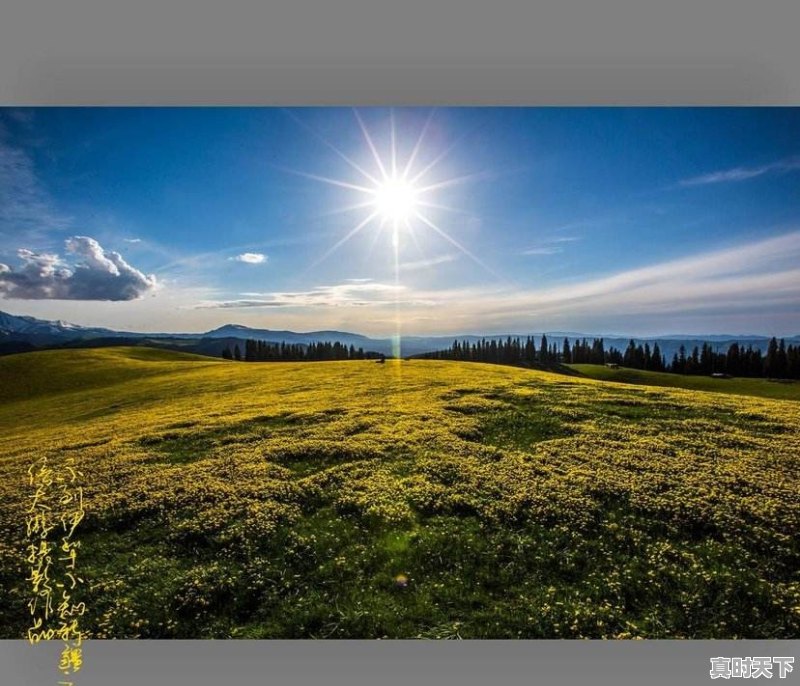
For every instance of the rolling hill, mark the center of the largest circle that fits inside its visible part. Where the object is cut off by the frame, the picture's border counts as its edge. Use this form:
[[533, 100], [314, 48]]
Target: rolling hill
[[762, 388], [422, 498]]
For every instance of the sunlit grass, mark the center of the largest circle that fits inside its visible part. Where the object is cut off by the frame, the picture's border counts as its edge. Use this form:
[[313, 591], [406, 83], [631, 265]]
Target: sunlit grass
[[286, 499]]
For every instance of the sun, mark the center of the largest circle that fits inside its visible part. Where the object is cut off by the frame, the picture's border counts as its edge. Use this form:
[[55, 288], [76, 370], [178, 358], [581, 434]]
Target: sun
[[396, 200], [396, 196]]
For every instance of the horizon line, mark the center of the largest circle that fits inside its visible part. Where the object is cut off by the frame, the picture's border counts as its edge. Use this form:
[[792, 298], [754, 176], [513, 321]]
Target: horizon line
[[553, 332]]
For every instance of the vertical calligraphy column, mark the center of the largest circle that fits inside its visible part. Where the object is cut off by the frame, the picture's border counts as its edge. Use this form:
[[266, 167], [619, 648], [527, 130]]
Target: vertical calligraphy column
[[54, 514]]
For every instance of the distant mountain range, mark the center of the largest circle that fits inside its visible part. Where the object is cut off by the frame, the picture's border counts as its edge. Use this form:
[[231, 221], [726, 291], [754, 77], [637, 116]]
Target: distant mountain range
[[20, 334]]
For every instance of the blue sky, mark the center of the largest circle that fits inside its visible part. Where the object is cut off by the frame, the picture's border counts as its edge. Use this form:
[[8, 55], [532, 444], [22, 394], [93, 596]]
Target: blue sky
[[620, 220]]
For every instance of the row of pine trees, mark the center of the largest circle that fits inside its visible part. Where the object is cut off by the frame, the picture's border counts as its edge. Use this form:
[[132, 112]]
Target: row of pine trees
[[779, 362], [518, 351], [264, 351]]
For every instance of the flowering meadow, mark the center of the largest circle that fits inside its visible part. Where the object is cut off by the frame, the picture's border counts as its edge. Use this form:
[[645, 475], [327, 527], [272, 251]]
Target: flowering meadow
[[421, 498]]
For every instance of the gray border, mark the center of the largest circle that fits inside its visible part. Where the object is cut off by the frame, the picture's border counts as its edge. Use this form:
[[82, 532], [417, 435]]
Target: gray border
[[486, 52], [389, 663]]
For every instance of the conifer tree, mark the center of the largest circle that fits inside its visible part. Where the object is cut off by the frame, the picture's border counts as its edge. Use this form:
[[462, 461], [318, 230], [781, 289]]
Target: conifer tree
[[544, 351]]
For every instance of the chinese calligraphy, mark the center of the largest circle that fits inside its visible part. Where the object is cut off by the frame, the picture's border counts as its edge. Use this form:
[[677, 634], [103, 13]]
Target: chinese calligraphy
[[54, 513]]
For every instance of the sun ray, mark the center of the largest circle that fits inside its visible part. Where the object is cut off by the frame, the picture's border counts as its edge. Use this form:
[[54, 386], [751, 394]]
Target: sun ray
[[415, 151], [370, 144], [421, 217], [442, 155], [330, 145], [411, 232], [347, 208], [446, 208], [394, 144], [342, 241], [456, 180], [325, 179], [397, 343], [375, 236]]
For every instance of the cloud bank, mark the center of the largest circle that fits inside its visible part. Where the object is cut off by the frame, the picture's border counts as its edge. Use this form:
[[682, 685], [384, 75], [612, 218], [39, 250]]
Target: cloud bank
[[94, 274], [352, 293], [761, 278]]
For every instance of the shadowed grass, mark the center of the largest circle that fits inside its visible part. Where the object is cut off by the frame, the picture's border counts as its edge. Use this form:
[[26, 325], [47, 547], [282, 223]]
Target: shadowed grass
[[761, 388]]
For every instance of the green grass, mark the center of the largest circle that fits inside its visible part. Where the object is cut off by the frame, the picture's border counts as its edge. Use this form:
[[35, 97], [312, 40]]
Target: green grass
[[761, 388], [283, 500]]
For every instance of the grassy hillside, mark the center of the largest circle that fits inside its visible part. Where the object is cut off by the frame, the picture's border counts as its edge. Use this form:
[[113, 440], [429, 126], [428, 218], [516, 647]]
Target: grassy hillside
[[762, 388], [422, 498]]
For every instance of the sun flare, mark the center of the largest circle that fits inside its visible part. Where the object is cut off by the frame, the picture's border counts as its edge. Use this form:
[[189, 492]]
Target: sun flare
[[396, 200], [397, 195]]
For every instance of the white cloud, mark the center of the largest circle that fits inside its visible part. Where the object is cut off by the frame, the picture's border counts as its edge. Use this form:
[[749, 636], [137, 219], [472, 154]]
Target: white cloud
[[132, 240], [351, 293], [250, 258], [749, 287], [428, 262], [761, 276], [742, 173], [544, 250], [95, 274], [551, 246]]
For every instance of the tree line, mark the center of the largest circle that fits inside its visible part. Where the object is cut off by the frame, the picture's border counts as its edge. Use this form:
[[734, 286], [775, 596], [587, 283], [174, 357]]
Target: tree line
[[779, 362], [265, 351], [523, 352]]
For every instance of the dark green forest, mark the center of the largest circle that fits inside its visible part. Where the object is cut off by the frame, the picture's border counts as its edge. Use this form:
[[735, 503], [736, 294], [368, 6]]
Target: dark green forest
[[779, 362]]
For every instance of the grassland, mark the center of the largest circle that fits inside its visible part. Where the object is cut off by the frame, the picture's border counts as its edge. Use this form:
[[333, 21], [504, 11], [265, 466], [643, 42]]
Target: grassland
[[761, 388], [284, 500]]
